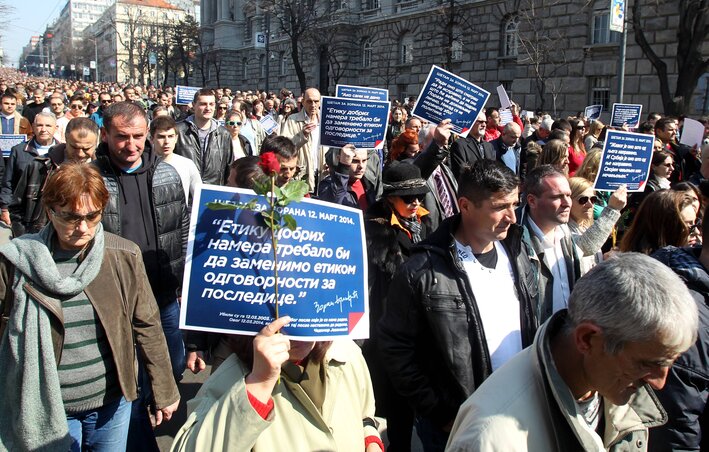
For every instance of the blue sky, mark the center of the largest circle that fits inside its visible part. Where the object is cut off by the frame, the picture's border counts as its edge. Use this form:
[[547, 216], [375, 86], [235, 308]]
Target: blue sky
[[29, 17]]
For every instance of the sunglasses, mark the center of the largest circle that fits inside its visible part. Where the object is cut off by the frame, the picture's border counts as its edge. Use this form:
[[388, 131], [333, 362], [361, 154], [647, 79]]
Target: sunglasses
[[106, 101], [584, 199], [232, 123], [77, 107], [74, 219], [222, 108], [409, 199]]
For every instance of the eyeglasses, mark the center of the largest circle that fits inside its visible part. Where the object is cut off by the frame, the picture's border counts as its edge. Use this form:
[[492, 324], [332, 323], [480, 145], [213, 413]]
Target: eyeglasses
[[74, 219], [584, 199], [233, 123], [409, 199]]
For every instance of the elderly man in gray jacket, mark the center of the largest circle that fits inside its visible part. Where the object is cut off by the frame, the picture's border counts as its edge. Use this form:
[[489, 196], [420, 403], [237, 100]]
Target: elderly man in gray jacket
[[587, 381]]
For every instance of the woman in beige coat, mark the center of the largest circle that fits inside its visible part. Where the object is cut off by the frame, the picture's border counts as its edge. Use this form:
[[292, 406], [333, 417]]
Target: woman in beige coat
[[276, 394]]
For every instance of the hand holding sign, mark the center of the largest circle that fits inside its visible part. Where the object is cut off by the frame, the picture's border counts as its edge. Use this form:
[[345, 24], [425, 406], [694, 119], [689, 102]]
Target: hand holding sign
[[442, 133], [514, 109], [619, 198], [271, 350]]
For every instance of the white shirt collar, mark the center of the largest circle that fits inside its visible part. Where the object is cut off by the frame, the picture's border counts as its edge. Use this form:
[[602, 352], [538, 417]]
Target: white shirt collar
[[550, 240]]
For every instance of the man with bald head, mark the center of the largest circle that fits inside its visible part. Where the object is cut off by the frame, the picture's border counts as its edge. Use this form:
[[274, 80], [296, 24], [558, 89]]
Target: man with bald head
[[304, 129], [507, 147]]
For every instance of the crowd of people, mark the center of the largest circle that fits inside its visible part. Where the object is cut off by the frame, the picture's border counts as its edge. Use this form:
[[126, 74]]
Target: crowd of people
[[512, 306]]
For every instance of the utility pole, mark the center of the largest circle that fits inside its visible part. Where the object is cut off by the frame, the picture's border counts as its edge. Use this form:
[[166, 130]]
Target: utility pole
[[268, 47], [617, 23]]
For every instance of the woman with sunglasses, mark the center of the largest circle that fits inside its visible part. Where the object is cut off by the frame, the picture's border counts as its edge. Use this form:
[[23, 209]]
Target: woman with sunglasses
[[393, 225], [590, 234], [240, 144], [74, 299], [222, 109]]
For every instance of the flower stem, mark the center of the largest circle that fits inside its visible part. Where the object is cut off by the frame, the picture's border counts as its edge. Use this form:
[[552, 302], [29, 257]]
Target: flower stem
[[274, 239]]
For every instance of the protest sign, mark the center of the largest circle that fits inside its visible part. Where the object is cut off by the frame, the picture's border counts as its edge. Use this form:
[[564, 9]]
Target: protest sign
[[692, 133], [361, 92], [504, 98], [628, 114], [353, 121], [625, 160], [184, 95], [593, 111], [269, 124], [447, 96], [505, 117], [229, 274], [7, 141]]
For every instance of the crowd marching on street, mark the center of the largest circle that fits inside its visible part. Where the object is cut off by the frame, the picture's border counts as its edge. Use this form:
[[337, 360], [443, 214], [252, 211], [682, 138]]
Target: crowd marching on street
[[511, 306]]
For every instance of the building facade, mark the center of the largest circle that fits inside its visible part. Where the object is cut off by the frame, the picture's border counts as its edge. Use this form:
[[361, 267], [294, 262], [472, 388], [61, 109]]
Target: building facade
[[128, 35], [557, 56], [66, 42]]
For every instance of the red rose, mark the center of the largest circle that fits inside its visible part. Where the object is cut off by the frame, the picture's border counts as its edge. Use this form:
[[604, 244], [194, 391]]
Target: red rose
[[269, 163]]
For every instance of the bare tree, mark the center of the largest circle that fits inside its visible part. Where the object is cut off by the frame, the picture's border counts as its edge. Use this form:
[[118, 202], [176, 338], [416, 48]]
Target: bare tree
[[127, 32], [5, 11], [453, 18], [339, 43], [184, 46], [146, 37], [163, 49], [296, 19], [543, 51], [215, 59], [692, 61], [384, 66]]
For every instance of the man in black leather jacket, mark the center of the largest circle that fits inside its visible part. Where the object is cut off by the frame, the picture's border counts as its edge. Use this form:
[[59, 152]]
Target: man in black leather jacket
[[463, 303], [147, 206], [201, 139]]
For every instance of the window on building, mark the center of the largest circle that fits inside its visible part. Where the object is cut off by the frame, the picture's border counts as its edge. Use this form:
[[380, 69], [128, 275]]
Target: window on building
[[601, 33], [367, 53], [457, 50], [284, 63], [244, 68], [249, 29], [601, 91], [370, 4], [511, 36], [406, 49], [262, 61]]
